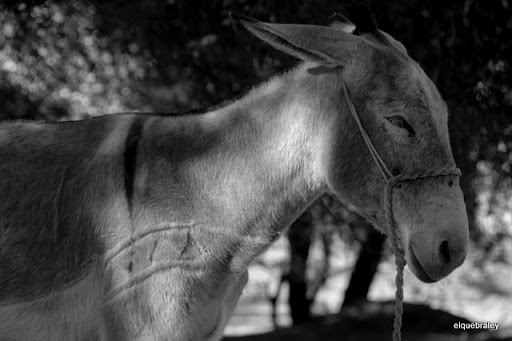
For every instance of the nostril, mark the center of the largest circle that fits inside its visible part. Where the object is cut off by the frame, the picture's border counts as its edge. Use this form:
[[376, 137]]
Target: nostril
[[444, 252], [450, 182]]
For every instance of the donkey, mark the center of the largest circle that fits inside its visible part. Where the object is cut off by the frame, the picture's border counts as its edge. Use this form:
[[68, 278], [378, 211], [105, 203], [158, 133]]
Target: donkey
[[141, 227]]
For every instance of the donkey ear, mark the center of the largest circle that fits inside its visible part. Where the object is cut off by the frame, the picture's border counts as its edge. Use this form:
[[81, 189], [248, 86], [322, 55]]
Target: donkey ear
[[340, 22], [325, 45]]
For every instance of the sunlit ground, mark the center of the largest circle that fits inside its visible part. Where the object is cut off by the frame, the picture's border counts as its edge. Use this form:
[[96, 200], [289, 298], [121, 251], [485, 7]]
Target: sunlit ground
[[478, 295]]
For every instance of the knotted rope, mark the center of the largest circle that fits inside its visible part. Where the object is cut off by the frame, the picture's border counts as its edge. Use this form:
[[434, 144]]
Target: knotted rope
[[393, 232]]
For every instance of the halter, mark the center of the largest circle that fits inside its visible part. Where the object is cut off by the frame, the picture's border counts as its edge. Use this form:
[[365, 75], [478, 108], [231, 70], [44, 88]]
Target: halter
[[391, 181]]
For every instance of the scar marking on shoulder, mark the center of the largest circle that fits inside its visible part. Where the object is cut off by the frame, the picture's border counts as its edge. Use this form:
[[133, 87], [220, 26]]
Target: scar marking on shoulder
[[187, 245], [146, 273], [137, 236], [153, 251]]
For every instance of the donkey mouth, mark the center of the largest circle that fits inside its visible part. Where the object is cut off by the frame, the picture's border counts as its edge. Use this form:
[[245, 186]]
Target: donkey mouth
[[417, 268]]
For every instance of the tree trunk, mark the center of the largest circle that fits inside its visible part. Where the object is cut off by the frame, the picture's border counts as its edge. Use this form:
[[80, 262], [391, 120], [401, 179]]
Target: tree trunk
[[365, 268], [299, 235]]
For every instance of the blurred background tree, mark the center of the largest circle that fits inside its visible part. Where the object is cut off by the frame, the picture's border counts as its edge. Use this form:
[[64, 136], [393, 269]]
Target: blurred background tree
[[62, 60]]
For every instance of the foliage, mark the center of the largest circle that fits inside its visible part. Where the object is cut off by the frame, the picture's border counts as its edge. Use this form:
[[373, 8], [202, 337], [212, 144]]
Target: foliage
[[52, 57]]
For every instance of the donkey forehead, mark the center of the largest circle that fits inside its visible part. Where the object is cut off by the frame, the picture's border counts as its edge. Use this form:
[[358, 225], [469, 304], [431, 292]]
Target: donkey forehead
[[427, 105], [432, 99], [399, 83]]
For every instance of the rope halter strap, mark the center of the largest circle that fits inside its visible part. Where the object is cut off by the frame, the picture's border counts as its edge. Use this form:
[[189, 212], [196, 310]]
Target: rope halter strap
[[393, 232]]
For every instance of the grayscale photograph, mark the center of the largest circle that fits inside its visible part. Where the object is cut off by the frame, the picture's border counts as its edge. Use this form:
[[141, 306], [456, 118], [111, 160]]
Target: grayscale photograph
[[255, 170]]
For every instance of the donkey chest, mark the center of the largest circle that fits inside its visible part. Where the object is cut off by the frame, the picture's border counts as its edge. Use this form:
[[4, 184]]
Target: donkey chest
[[174, 303], [169, 283]]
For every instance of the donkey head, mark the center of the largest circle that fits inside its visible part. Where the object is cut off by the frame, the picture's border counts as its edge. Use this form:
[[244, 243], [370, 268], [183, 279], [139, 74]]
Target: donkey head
[[405, 118]]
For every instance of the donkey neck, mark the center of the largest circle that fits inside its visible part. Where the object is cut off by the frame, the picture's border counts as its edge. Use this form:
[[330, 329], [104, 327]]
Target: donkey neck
[[252, 171]]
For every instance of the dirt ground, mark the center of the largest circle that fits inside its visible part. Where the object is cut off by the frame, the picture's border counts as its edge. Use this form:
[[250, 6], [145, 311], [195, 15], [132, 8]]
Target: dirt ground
[[374, 321]]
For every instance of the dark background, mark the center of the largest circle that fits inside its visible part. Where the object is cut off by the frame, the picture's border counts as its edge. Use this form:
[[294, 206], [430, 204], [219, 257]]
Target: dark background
[[64, 60]]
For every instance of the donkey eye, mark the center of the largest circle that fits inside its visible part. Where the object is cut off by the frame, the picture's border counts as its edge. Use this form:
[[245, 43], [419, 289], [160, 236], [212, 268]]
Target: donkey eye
[[400, 122]]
